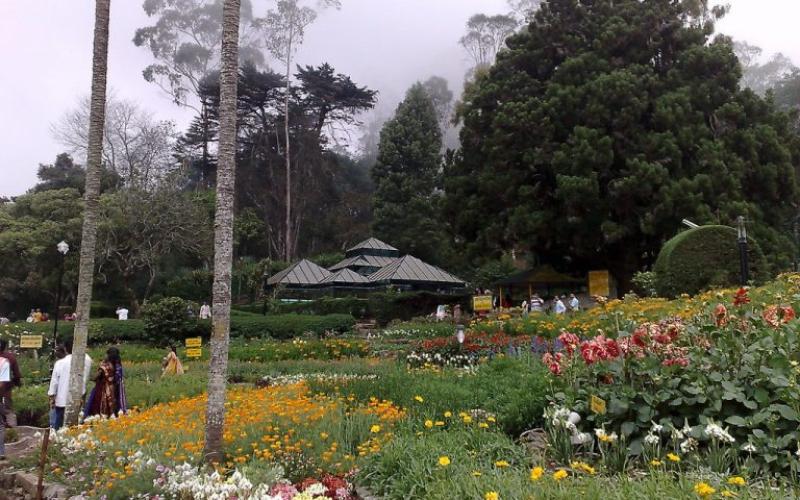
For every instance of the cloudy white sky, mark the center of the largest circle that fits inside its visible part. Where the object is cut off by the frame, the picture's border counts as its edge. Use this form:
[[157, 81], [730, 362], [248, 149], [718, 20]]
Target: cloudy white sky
[[45, 53]]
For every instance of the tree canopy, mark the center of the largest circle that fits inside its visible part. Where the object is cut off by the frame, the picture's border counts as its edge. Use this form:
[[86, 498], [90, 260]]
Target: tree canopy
[[406, 175], [603, 125]]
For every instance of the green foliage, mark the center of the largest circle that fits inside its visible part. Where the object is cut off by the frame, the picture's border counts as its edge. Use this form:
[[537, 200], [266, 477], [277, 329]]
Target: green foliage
[[644, 284], [493, 271], [287, 326], [194, 285], [406, 174], [590, 154], [169, 319], [702, 258]]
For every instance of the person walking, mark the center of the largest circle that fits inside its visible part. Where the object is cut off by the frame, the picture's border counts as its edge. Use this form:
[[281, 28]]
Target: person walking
[[537, 304], [205, 311], [558, 307], [9, 378], [171, 364], [108, 396], [122, 314], [59, 385], [574, 303]]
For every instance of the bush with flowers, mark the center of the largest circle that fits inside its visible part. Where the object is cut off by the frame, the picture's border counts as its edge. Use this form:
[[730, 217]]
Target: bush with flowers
[[736, 366]]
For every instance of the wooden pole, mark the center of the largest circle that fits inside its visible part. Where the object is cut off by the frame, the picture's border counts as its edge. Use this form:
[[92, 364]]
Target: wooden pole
[[500, 303], [42, 461]]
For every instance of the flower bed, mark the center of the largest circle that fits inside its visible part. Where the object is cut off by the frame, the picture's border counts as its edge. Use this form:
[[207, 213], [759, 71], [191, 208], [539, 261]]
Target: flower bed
[[307, 435]]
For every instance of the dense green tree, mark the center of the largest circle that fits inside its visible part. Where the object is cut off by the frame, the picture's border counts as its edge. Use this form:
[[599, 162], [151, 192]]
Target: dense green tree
[[65, 173], [602, 126], [406, 176]]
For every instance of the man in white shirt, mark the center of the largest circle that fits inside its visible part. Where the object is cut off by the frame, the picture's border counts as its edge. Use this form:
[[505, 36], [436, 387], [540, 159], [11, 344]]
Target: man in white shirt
[[205, 311], [122, 314], [5, 380], [59, 386], [574, 303], [559, 306]]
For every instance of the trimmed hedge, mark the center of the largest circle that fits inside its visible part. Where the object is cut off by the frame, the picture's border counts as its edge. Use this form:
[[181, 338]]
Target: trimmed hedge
[[702, 258], [383, 307], [284, 326]]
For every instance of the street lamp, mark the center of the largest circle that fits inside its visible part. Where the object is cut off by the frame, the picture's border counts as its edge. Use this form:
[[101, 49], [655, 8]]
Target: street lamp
[[460, 335], [744, 264], [62, 248]]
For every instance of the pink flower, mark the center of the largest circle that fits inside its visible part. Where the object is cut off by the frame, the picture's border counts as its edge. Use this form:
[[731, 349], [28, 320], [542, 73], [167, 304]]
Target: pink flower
[[776, 316], [570, 341]]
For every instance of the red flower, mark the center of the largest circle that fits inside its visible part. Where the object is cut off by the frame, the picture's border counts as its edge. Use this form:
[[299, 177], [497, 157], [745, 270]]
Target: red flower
[[553, 362], [641, 335], [741, 298], [721, 315], [776, 316]]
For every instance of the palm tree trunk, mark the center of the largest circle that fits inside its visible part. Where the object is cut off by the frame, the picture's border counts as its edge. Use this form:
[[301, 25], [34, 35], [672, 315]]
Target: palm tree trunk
[[223, 234], [97, 117]]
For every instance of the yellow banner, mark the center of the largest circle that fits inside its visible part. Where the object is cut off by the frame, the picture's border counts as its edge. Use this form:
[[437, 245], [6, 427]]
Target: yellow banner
[[194, 342], [599, 283], [30, 341], [482, 303], [194, 353]]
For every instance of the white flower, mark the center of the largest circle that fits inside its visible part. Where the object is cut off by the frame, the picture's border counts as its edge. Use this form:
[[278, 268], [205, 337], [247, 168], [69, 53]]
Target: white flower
[[581, 438], [714, 431], [657, 428], [316, 489], [652, 439], [749, 448], [688, 445]]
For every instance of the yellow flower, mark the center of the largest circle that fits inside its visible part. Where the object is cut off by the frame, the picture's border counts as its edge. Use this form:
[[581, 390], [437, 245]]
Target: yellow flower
[[375, 429], [467, 419], [536, 473], [583, 467], [501, 463], [429, 424], [491, 495], [323, 435], [444, 461], [418, 399], [483, 425], [704, 490], [737, 481], [673, 457], [656, 462], [438, 423], [491, 419], [728, 494], [447, 414], [560, 474], [477, 473]]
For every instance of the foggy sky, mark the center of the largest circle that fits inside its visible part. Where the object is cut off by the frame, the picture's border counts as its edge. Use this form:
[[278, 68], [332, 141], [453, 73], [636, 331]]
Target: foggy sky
[[46, 50]]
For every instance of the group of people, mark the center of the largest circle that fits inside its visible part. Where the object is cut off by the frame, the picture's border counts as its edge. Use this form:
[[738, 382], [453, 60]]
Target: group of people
[[107, 398], [559, 305]]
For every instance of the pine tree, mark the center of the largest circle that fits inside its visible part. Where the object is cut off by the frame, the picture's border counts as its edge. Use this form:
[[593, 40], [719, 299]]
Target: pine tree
[[603, 125], [406, 176]]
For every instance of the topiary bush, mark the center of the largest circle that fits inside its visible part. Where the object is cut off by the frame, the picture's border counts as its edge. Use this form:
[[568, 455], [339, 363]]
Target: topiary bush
[[702, 258], [168, 320]]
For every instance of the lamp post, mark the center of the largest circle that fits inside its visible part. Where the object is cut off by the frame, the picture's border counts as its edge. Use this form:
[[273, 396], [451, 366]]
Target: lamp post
[[62, 248], [460, 336], [744, 264]]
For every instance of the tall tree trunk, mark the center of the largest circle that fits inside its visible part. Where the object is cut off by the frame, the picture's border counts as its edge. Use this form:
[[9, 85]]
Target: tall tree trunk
[[92, 200], [288, 159], [223, 234]]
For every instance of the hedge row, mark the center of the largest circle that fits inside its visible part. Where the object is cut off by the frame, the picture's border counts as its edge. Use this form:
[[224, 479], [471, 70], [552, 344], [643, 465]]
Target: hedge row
[[382, 307], [285, 326]]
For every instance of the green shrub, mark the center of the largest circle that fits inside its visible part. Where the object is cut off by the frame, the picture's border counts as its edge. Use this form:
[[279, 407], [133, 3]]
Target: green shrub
[[644, 284], [702, 258], [168, 320], [192, 285], [287, 326]]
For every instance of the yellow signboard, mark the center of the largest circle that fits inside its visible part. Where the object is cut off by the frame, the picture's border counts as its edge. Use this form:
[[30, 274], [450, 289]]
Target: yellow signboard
[[482, 303], [194, 353], [194, 342], [30, 341], [599, 283], [598, 405]]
